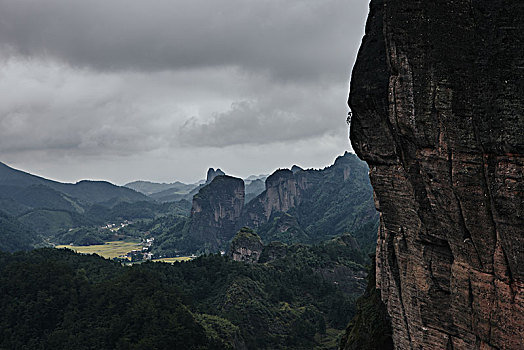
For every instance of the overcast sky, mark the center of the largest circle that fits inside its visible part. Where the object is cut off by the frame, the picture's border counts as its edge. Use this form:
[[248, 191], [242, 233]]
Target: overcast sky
[[161, 90]]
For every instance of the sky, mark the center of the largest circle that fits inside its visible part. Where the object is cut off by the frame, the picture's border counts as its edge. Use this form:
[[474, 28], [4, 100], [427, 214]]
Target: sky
[[161, 90]]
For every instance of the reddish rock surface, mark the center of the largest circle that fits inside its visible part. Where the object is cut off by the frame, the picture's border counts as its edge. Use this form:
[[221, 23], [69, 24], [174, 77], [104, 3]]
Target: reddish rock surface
[[438, 114]]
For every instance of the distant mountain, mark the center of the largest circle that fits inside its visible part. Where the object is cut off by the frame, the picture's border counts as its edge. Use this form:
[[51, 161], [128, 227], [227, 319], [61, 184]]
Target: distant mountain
[[254, 188], [15, 236], [37, 196], [212, 173], [313, 205], [215, 214], [304, 206], [174, 194], [88, 191], [177, 191], [39, 209], [255, 177], [296, 168], [216, 210], [292, 206], [148, 188]]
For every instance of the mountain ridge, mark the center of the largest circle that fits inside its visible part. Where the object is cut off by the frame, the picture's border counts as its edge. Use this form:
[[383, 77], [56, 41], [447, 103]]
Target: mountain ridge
[[82, 190], [307, 206]]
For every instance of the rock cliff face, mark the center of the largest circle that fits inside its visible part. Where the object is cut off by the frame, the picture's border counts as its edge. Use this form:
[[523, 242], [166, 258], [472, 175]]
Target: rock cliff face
[[216, 210], [246, 246], [313, 205], [438, 114], [283, 192]]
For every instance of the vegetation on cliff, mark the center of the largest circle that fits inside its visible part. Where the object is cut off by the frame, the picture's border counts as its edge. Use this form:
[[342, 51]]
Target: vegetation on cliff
[[370, 329], [314, 205], [246, 246]]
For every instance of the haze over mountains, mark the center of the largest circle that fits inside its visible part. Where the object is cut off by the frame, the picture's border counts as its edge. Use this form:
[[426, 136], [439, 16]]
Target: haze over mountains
[[436, 99], [303, 207], [310, 234], [21, 191], [289, 206], [175, 191], [25, 188]]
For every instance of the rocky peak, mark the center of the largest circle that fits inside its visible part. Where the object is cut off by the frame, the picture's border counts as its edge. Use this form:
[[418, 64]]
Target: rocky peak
[[246, 246], [437, 101], [279, 177], [281, 192], [296, 169], [310, 198], [342, 166], [216, 210], [212, 173]]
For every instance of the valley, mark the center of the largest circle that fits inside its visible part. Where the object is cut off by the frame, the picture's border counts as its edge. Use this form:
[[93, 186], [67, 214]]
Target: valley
[[414, 239], [298, 206], [299, 298], [282, 269]]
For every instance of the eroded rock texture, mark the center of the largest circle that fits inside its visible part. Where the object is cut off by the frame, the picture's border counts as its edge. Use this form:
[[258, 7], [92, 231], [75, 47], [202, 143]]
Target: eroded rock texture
[[246, 246], [313, 205], [216, 210], [438, 114], [284, 191]]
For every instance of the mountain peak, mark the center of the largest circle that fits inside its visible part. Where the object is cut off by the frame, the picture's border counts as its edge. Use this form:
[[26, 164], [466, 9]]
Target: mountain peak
[[212, 173], [295, 168]]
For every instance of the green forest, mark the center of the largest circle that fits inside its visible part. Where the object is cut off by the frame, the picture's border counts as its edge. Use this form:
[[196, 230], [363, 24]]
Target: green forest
[[301, 294], [54, 298]]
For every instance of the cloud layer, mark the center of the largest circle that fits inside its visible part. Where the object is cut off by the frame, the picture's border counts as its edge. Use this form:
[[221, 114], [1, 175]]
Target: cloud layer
[[83, 83]]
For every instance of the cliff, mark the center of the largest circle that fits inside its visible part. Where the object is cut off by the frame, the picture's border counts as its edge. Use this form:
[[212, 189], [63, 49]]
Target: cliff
[[246, 246], [216, 211], [437, 101], [314, 205], [283, 191]]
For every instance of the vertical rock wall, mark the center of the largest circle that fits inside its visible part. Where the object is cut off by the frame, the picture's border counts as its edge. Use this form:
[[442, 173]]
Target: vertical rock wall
[[284, 191], [216, 211], [438, 113]]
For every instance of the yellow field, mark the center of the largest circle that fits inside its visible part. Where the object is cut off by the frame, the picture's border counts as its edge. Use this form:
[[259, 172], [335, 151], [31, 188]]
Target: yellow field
[[109, 250], [172, 260]]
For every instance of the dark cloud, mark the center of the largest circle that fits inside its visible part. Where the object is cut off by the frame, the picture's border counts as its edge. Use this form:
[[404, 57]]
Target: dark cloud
[[292, 39], [160, 89]]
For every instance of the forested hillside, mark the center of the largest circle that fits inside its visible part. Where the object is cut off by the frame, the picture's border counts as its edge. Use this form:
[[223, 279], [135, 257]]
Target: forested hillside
[[314, 205], [56, 299], [37, 211]]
